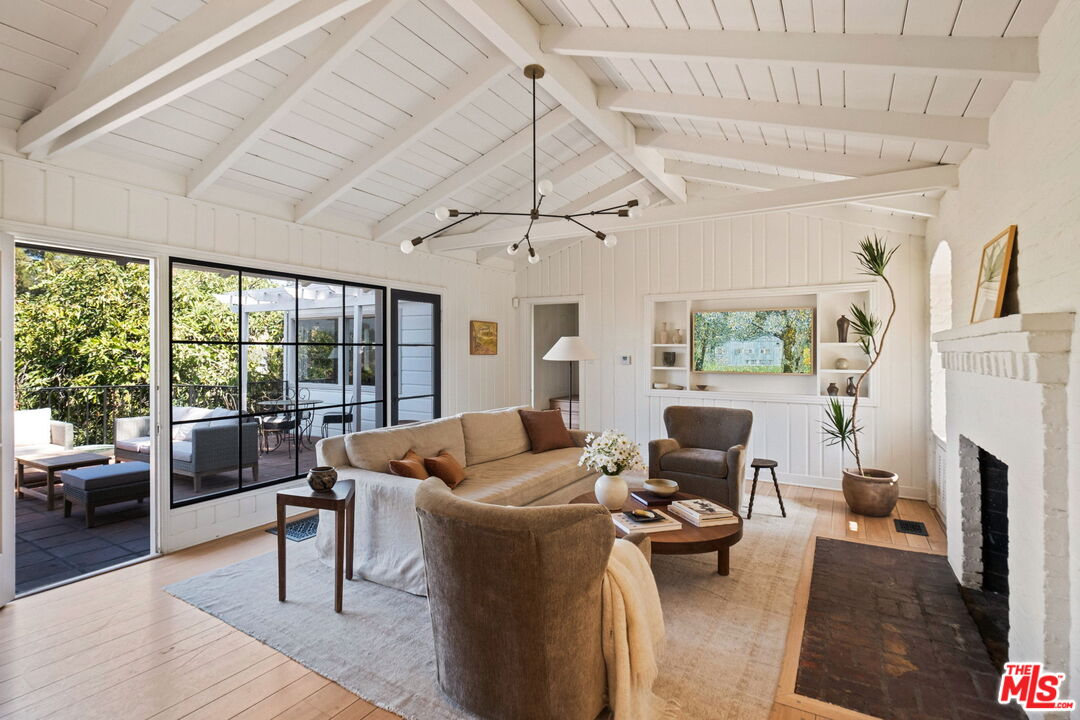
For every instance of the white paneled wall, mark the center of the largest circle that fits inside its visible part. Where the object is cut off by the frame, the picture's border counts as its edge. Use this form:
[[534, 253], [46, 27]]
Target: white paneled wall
[[780, 250], [78, 209]]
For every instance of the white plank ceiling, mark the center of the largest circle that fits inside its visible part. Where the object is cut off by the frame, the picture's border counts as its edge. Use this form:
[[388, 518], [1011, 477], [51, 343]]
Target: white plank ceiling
[[422, 54]]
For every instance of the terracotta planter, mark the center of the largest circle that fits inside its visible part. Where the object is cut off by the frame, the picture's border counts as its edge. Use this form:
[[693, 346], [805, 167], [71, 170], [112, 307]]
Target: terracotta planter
[[873, 493]]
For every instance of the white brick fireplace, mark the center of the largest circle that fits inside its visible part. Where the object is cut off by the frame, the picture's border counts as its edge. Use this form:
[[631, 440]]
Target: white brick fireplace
[[1006, 393]]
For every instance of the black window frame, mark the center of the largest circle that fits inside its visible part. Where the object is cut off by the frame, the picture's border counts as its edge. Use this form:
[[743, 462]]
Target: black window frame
[[395, 344], [243, 414]]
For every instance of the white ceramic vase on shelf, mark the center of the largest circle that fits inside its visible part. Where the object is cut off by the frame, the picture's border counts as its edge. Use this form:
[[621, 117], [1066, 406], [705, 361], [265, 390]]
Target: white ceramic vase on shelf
[[611, 491]]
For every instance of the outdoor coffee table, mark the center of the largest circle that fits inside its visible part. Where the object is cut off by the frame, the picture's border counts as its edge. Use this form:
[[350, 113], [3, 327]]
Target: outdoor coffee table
[[690, 540], [52, 464]]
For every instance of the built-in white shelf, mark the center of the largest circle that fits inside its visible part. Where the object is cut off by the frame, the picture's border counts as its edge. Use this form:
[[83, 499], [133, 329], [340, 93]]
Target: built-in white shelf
[[829, 301]]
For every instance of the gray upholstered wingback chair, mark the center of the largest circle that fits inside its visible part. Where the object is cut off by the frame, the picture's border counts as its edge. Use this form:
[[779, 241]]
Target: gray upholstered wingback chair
[[514, 594], [705, 451]]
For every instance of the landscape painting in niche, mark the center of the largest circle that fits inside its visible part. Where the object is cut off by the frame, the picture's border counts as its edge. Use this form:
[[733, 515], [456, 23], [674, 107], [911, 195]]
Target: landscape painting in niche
[[777, 341], [483, 337]]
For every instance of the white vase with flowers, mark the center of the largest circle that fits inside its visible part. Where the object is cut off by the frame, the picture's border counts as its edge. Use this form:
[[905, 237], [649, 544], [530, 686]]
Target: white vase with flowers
[[611, 454]]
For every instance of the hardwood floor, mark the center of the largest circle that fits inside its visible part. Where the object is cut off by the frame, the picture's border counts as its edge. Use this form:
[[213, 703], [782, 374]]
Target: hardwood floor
[[117, 645]]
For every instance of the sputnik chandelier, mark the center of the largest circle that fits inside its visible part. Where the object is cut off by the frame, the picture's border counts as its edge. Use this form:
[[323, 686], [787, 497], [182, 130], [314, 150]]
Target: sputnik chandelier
[[541, 190]]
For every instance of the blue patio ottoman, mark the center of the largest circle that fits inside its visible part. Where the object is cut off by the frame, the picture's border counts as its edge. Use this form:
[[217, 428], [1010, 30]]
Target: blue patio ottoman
[[104, 485]]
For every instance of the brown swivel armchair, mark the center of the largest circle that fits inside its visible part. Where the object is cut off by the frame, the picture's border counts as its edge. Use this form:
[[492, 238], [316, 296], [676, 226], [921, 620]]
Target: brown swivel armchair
[[514, 595], [705, 451]]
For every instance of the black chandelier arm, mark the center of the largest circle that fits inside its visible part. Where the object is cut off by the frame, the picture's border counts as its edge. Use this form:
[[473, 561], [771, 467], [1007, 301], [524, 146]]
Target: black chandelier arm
[[433, 233], [574, 220], [604, 211]]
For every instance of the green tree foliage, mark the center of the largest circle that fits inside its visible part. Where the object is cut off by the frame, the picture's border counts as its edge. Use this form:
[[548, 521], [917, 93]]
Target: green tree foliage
[[793, 327], [83, 321], [80, 320]]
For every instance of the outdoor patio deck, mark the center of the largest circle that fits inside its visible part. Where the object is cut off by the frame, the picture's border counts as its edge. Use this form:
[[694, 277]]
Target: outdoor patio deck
[[51, 548]]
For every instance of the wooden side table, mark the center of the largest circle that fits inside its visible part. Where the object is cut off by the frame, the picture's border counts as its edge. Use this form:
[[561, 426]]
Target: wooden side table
[[342, 500]]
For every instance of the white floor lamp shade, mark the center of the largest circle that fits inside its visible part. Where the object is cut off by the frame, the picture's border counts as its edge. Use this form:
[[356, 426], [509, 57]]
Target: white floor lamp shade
[[570, 349]]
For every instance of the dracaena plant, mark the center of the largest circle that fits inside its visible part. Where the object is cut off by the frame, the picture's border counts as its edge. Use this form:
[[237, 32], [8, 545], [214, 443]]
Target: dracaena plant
[[840, 427]]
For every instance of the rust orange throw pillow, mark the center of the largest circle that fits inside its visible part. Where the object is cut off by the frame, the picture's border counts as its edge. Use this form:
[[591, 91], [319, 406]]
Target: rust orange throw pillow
[[412, 466], [546, 430], [446, 468]]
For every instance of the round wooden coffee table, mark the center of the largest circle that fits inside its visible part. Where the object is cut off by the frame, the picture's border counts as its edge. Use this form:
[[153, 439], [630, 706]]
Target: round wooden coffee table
[[690, 540]]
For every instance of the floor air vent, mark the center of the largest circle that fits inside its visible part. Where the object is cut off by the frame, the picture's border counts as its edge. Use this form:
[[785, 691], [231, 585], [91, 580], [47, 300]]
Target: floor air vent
[[911, 527]]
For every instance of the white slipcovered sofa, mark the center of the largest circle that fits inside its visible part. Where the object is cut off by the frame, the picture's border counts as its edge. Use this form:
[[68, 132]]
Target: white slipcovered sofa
[[494, 449]]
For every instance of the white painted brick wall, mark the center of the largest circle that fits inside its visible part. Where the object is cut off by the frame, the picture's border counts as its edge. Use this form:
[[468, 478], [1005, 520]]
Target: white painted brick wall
[[1030, 176]]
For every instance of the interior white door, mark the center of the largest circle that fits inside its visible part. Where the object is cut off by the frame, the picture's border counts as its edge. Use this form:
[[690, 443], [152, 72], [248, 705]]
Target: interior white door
[[7, 416]]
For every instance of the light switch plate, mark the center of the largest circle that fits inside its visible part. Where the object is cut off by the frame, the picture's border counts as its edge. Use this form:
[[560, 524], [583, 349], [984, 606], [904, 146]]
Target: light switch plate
[[626, 360]]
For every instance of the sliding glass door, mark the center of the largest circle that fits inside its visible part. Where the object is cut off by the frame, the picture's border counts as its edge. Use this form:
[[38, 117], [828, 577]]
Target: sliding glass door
[[416, 347]]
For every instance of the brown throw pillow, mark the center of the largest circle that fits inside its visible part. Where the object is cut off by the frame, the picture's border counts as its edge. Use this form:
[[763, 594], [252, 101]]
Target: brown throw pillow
[[446, 468], [546, 430], [412, 466]]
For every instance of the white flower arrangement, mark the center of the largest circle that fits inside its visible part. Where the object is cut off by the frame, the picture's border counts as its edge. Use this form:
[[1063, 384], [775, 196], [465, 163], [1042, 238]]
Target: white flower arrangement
[[611, 453]]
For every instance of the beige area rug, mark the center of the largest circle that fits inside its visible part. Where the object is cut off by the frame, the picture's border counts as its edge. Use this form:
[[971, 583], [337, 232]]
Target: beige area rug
[[722, 658]]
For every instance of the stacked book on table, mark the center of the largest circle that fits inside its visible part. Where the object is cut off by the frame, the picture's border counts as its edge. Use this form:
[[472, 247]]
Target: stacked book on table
[[627, 523], [702, 512]]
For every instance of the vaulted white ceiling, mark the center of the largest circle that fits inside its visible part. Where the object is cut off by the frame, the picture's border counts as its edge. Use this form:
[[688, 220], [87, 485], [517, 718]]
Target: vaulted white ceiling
[[378, 111]]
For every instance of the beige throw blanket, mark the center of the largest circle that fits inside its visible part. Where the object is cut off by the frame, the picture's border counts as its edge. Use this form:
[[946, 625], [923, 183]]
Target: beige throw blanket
[[633, 628]]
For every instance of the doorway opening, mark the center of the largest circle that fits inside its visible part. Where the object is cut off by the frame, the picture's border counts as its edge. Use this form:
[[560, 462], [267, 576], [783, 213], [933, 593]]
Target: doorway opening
[[82, 367], [555, 384]]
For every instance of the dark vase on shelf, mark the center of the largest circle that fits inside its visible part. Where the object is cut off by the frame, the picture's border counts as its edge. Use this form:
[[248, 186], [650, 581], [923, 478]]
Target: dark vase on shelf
[[669, 359], [851, 390], [842, 326], [832, 390]]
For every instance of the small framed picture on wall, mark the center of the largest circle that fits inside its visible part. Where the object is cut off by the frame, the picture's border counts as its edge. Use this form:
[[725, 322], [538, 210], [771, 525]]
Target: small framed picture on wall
[[483, 337]]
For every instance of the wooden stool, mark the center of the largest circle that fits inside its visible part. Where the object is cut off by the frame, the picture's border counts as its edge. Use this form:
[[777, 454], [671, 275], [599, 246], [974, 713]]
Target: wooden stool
[[342, 500], [758, 464]]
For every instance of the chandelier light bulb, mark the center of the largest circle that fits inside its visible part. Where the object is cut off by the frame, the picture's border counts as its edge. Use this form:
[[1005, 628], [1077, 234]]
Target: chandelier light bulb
[[533, 257], [512, 249], [545, 187], [442, 213], [407, 246], [635, 213], [610, 240]]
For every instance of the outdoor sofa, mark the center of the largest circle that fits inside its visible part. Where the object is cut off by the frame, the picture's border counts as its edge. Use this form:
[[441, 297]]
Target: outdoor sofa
[[200, 448]]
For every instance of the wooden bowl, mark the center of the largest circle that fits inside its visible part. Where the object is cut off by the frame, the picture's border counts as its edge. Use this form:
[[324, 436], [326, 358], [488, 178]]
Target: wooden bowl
[[661, 486]]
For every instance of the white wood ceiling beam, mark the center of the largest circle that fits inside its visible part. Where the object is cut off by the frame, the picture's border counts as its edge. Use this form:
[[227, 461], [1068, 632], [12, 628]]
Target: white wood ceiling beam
[[479, 79], [918, 206], [209, 27], [357, 28], [810, 195], [503, 153], [511, 28], [522, 197], [831, 163], [102, 45], [897, 125], [294, 22], [1011, 58]]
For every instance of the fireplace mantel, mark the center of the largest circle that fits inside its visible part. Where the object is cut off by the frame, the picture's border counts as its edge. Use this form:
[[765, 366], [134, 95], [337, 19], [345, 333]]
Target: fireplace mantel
[[1031, 347]]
